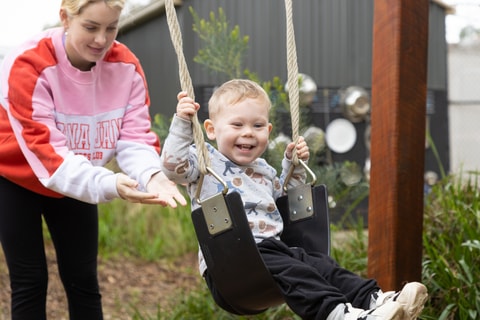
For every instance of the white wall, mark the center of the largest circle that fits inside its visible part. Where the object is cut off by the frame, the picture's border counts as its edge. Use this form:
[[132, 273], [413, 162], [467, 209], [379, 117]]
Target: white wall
[[464, 106]]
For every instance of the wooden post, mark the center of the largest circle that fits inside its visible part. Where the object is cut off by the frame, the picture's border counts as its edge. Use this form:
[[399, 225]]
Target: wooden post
[[399, 86]]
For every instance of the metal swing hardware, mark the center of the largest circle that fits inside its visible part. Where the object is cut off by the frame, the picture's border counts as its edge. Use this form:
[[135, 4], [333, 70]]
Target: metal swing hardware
[[215, 210], [300, 199]]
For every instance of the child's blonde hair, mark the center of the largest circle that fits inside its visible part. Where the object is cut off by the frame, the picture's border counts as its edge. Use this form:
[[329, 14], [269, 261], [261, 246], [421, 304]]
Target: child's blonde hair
[[74, 7], [234, 91]]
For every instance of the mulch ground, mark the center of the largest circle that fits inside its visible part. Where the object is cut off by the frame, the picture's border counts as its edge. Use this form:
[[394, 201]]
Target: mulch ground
[[125, 284]]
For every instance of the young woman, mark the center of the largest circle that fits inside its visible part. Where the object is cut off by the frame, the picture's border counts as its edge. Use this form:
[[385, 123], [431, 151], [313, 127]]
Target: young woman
[[72, 98]]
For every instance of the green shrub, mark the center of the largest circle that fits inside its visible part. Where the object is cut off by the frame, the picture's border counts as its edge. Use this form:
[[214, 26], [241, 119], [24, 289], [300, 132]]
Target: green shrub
[[451, 267]]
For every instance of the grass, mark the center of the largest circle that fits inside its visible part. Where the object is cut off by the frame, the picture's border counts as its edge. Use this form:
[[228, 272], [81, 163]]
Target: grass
[[146, 232], [451, 262], [200, 305], [451, 267]]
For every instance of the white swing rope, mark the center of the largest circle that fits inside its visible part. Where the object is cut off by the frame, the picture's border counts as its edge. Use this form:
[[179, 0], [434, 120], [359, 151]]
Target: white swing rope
[[292, 74], [186, 84], [186, 81]]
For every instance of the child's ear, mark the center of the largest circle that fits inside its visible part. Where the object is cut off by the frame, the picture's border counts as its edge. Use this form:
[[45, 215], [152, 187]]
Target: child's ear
[[209, 129], [270, 127]]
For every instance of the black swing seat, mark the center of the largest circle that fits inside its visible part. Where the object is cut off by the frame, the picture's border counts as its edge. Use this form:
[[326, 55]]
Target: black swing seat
[[232, 256]]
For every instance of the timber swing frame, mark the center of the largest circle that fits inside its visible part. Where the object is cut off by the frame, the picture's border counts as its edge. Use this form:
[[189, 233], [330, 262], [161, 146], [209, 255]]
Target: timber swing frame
[[231, 254]]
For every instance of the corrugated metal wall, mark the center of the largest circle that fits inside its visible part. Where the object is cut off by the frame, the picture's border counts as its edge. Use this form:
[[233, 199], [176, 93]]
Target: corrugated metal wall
[[333, 40], [151, 43], [437, 49]]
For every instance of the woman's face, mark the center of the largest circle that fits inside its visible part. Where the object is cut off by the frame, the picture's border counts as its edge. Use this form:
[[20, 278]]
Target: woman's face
[[90, 34]]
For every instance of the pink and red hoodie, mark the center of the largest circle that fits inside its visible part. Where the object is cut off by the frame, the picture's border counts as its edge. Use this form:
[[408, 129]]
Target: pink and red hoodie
[[59, 126]]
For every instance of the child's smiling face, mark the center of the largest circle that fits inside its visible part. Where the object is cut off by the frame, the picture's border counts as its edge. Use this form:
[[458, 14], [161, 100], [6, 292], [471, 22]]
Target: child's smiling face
[[241, 130]]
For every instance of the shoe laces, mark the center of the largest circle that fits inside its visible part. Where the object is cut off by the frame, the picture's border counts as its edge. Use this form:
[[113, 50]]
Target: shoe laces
[[383, 297]]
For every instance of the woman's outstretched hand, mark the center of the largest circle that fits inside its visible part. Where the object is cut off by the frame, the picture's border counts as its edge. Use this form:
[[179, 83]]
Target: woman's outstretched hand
[[160, 190]]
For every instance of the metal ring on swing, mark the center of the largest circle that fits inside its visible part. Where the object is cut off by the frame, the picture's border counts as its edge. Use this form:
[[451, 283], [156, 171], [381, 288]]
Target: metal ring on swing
[[200, 183], [290, 174]]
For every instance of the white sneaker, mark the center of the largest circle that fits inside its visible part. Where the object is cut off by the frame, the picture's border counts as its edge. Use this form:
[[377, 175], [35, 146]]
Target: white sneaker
[[412, 298], [389, 311]]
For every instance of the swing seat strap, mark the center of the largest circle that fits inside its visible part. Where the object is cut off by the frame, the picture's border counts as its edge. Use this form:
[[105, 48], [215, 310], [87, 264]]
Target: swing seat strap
[[305, 217]]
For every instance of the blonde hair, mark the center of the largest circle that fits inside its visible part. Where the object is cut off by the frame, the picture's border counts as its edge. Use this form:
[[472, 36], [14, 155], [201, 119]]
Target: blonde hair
[[75, 7], [234, 91]]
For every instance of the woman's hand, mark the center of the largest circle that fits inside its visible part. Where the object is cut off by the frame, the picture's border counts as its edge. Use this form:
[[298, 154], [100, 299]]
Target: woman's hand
[[166, 191], [160, 190]]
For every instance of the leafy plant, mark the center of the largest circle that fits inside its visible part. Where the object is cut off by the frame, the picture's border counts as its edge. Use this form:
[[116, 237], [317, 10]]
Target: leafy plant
[[451, 267], [223, 49], [160, 126]]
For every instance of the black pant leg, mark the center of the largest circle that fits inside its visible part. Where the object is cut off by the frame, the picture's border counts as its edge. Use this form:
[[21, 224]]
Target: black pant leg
[[22, 242], [74, 229], [356, 289], [73, 226], [313, 285]]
